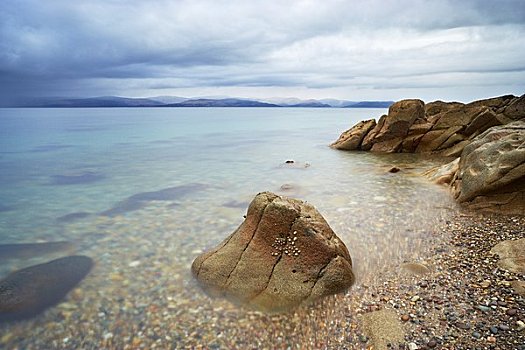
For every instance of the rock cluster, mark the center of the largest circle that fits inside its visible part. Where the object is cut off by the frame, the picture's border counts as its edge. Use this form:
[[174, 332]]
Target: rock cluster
[[437, 127], [488, 136], [282, 255]]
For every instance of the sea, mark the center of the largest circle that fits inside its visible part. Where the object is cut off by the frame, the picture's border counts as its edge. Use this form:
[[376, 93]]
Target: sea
[[143, 191]]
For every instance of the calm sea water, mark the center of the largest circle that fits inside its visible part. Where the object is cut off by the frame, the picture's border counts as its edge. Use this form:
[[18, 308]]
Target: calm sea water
[[98, 178]]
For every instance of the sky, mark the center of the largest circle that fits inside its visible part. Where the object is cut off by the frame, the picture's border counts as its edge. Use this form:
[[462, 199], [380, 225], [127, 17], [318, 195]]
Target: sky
[[355, 50]]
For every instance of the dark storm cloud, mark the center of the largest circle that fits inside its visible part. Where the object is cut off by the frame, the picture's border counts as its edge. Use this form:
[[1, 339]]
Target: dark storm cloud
[[99, 47]]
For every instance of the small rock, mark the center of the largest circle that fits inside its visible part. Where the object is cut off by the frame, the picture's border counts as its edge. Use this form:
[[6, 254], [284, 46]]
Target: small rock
[[483, 308], [476, 335], [415, 298], [485, 284], [512, 312], [405, 318], [494, 330], [521, 325], [394, 170], [504, 327], [491, 339], [363, 338], [432, 344], [289, 161], [412, 346]]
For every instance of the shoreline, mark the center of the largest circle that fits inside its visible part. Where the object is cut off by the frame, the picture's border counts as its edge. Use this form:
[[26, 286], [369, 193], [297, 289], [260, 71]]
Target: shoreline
[[463, 302]]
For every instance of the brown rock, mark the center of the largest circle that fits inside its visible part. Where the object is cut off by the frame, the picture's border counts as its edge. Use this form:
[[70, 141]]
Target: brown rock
[[435, 139], [437, 107], [493, 160], [519, 287], [511, 255], [383, 328], [443, 174], [482, 122], [369, 139], [516, 109], [388, 146], [461, 116], [282, 255], [401, 116], [351, 139]]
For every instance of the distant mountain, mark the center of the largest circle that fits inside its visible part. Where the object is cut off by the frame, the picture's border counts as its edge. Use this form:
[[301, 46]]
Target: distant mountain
[[104, 101], [225, 102], [211, 101], [370, 104], [168, 99], [312, 104]]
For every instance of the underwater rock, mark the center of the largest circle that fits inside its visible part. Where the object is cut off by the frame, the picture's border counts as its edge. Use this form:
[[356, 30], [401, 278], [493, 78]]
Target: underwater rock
[[73, 216], [30, 250], [140, 200], [282, 255], [26, 293]]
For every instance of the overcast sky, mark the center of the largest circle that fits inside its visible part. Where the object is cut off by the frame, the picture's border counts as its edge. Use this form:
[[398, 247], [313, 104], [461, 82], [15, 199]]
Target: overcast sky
[[356, 50]]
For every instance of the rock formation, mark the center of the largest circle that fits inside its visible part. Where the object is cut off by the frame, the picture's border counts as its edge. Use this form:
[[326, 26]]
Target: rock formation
[[437, 127], [29, 291], [282, 255]]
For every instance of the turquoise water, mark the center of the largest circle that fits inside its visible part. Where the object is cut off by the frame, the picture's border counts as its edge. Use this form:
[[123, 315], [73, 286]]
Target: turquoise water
[[110, 168]]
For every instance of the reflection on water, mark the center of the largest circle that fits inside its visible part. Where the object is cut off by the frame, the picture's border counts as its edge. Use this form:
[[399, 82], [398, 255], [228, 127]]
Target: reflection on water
[[175, 183]]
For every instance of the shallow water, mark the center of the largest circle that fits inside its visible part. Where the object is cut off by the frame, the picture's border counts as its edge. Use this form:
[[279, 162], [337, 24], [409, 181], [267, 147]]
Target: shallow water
[[143, 191]]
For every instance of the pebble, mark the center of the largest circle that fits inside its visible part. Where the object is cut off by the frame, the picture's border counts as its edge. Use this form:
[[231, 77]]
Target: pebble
[[134, 263], [432, 344], [415, 298], [491, 339], [476, 335], [363, 338], [512, 312], [405, 318], [484, 308], [412, 346], [485, 284], [494, 330], [521, 325]]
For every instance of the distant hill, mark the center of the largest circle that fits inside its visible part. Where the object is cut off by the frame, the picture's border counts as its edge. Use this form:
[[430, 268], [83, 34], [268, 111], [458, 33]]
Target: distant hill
[[370, 104], [225, 102]]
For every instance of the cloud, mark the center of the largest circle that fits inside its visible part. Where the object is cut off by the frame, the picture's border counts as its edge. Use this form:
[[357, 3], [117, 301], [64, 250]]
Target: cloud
[[140, 47]]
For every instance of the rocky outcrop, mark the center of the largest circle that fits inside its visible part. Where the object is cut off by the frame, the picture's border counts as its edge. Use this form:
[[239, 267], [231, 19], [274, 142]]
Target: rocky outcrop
[[490, 173], [443, 128], [488, 136], [282, 255]]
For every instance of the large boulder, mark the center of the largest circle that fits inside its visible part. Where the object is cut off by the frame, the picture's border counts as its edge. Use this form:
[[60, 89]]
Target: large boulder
[[490, 174], [351, 139], [282, 255]]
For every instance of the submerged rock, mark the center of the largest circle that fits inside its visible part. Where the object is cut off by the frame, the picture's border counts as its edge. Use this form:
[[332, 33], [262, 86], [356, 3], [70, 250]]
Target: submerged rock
[[30, 250], [140, 200], [282, 255], [27, 292]]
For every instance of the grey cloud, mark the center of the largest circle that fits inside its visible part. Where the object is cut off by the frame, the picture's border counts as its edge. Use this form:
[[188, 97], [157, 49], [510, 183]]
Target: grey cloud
[[90, 47]]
